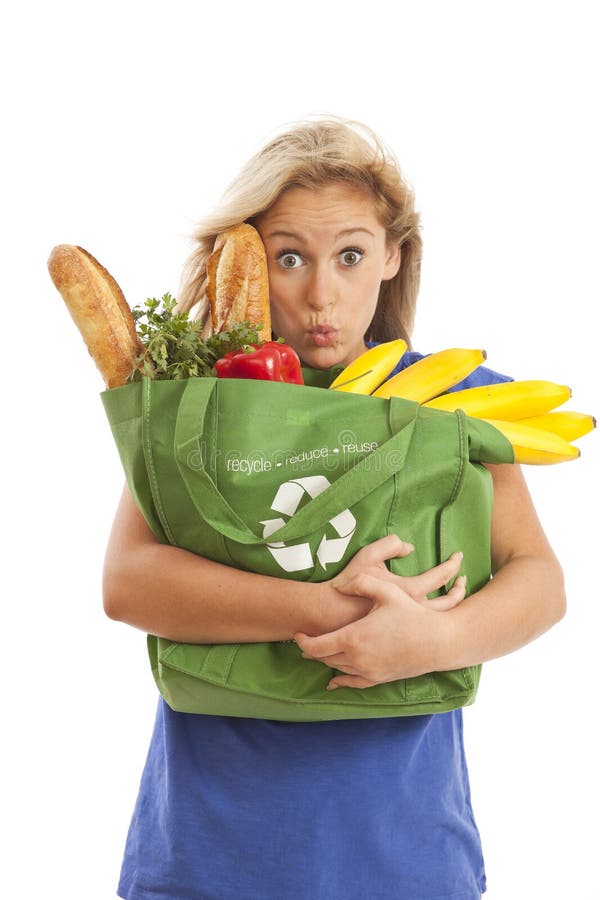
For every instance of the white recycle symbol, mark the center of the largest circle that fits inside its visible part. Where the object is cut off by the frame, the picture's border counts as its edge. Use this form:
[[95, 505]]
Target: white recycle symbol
[[298, 556]]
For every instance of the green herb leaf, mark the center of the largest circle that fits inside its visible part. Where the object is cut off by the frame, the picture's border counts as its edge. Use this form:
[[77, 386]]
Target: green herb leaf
[[174, 348]]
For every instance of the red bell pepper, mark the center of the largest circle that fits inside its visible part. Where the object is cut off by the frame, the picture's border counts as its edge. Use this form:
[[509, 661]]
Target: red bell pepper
[[271, 361]]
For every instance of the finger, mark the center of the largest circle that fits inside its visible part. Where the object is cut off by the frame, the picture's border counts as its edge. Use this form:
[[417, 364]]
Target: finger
[[455, 595], [353, 681], [440, 604], [339, 662], [387, 547], [458, 591], [376, 589], [347, 670], [435, 578], [323, 645]]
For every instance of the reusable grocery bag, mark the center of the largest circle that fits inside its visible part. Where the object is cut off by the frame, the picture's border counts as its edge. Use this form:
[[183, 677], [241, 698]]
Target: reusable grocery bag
[[292, 481]]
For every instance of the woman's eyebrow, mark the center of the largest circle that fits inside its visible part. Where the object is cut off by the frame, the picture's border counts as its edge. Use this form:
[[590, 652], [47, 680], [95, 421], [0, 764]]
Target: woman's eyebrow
[[288, 234], [353, 231], [298, 237]]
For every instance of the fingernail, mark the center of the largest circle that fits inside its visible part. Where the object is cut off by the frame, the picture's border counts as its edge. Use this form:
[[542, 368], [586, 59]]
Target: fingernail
[[458, 555], [332, 687]]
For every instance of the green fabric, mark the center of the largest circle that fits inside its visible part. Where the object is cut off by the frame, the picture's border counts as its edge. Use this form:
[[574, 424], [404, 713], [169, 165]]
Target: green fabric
[[292, 481]]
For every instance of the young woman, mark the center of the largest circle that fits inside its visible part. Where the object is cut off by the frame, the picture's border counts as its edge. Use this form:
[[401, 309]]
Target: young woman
[[244, 808]]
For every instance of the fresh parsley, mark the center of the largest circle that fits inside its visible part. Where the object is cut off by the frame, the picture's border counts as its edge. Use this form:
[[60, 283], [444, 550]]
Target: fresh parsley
[[173, 345]]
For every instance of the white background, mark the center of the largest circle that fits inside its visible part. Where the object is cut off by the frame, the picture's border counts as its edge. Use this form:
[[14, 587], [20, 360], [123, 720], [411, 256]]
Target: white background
[[123, 123]]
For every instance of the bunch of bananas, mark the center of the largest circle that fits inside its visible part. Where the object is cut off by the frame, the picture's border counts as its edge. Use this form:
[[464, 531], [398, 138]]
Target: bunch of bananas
[[524, 411]]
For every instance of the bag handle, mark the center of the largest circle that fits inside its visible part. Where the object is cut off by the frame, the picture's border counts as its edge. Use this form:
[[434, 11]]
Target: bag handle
[[351, 487]]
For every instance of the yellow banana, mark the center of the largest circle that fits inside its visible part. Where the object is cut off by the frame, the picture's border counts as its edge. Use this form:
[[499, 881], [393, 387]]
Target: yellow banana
[[509, 400], [534, 446], [367, 372], [569, 424], [432, 375]]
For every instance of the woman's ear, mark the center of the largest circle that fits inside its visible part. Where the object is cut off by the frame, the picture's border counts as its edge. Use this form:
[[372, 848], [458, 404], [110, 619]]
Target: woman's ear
[[392, 263]]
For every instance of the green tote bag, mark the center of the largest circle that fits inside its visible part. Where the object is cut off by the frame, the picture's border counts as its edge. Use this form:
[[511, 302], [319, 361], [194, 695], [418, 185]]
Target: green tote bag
[[292, 481]]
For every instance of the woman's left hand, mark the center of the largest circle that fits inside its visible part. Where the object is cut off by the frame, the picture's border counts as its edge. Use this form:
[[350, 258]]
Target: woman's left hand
[[400, 636]]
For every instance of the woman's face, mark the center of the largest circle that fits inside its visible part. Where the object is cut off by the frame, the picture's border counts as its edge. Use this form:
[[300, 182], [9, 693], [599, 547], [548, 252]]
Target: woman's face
[[327, 255]]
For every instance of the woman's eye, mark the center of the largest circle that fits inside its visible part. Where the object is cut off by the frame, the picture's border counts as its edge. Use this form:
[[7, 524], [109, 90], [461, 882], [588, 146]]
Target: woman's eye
[[351, 256], [287, 259]]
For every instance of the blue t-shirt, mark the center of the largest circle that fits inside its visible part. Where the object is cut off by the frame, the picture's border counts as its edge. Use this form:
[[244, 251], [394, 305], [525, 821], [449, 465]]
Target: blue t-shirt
[[346, 810]]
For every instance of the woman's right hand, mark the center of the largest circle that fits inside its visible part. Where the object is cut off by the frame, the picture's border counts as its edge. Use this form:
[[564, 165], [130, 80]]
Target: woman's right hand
[[341, 609]]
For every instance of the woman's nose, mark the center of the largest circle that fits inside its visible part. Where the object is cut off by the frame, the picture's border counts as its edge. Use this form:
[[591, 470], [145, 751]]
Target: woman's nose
[[321, 289]]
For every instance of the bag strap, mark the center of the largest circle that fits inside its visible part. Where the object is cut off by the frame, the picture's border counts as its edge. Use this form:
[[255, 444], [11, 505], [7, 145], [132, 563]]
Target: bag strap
[[351, 487], [148, 451]]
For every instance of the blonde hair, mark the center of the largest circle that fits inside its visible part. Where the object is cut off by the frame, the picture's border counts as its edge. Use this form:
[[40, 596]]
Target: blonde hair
[[313, 154]]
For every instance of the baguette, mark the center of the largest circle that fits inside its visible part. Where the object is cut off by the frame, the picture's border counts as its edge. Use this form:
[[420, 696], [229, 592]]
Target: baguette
[[100, 311], [237, 282]]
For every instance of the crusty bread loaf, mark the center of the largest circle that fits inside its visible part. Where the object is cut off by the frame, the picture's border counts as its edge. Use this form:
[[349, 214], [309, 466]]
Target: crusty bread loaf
[[99, 310], [237, 281]]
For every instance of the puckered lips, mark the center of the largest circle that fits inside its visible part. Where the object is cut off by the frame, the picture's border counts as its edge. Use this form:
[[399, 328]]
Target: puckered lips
[[323, 335]]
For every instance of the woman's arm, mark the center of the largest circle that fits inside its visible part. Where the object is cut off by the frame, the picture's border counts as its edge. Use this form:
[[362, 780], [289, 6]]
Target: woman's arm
[[179, 595], [526, 595], [400, 638]]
